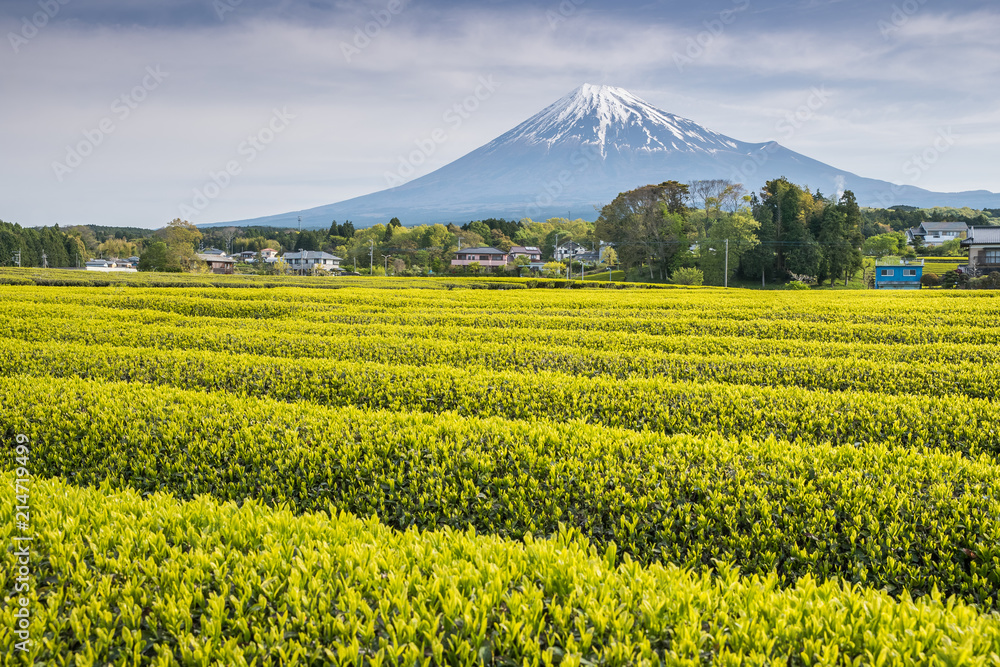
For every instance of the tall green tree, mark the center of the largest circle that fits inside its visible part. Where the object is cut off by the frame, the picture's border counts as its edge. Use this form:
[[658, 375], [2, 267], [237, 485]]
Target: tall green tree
[[740, 230], [785, 209], [156, 257], [649, 225]]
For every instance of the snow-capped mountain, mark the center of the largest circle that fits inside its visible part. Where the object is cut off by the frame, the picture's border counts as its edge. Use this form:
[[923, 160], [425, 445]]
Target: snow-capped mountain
[[576, 155], [612, 120]]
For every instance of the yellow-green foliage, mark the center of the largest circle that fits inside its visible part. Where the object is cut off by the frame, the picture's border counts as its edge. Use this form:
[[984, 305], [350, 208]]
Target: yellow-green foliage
[[671, 403], [131, 580], [903, 518], [844, 438]]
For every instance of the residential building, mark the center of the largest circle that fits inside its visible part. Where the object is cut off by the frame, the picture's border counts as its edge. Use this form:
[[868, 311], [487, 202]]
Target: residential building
[[934, 234], [220, 264], [568, 251], [895, 273], [531, 252], [305, 261], [106, 265], [488, 258], [983, 244], [269, 253]]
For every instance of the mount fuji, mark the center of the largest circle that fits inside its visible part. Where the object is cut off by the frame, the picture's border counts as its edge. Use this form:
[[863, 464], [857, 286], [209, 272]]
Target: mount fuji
[[581, 151]]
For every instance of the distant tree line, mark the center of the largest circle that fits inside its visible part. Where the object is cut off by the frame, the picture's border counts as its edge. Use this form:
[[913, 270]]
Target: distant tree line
[[59, 248], [710, 230]]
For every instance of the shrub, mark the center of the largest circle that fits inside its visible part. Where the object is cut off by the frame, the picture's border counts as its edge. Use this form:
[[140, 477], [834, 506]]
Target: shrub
[[950, 279], [688, 276], [796, 285], [930, 280]]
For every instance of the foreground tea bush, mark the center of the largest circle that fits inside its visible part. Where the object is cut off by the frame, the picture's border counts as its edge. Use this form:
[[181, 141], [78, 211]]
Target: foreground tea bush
[[900, 518], [659, 404], [746, 364], [122, 579]]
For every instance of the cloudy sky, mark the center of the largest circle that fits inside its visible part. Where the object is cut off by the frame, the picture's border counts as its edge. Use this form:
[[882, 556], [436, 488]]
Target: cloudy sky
[[117, 113]]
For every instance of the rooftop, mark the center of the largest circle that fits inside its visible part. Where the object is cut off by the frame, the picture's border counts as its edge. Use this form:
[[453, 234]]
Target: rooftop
[[483, 251], [310, 254], [982, 235], [944, 226], [898, 261]]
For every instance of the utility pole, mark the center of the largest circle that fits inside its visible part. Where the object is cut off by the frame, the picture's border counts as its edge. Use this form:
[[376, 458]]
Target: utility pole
[[727, 263], [300, 224], [386, 258], [371, 257], [555, 249]]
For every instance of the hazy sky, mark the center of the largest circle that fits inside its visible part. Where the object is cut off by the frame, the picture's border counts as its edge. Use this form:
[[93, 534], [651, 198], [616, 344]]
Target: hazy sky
[[117, 113]]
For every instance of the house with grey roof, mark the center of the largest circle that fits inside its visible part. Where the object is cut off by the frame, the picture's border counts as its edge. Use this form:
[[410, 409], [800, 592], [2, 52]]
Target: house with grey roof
[[487, 258], [305, 261], [983, 244], [934, 234], [220, 264]]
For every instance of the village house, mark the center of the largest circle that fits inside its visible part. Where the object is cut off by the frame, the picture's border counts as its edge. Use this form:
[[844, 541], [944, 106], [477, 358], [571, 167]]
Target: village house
[[308, 260], [983, 244], [934, 234], [569, 250], [897, 273], [531, 252], [220, 264], [488, 258]]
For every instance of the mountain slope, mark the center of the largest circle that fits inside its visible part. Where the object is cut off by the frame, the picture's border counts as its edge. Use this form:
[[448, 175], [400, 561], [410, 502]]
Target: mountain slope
[[579, 153]]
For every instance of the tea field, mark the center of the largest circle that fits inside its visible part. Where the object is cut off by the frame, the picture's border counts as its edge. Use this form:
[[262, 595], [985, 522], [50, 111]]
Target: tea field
[[252, 471]]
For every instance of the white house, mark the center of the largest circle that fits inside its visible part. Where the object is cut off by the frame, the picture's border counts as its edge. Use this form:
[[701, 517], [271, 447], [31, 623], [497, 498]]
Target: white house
[[934, 234], [307, 260], [108, 266], [569, 250]]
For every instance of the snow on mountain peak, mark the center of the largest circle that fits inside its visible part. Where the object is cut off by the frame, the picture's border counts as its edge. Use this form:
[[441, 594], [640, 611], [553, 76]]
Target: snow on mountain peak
[[613, 119]]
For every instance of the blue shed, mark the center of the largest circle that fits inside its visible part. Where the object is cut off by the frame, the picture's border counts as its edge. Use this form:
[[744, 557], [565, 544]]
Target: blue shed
[[893, 273]]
